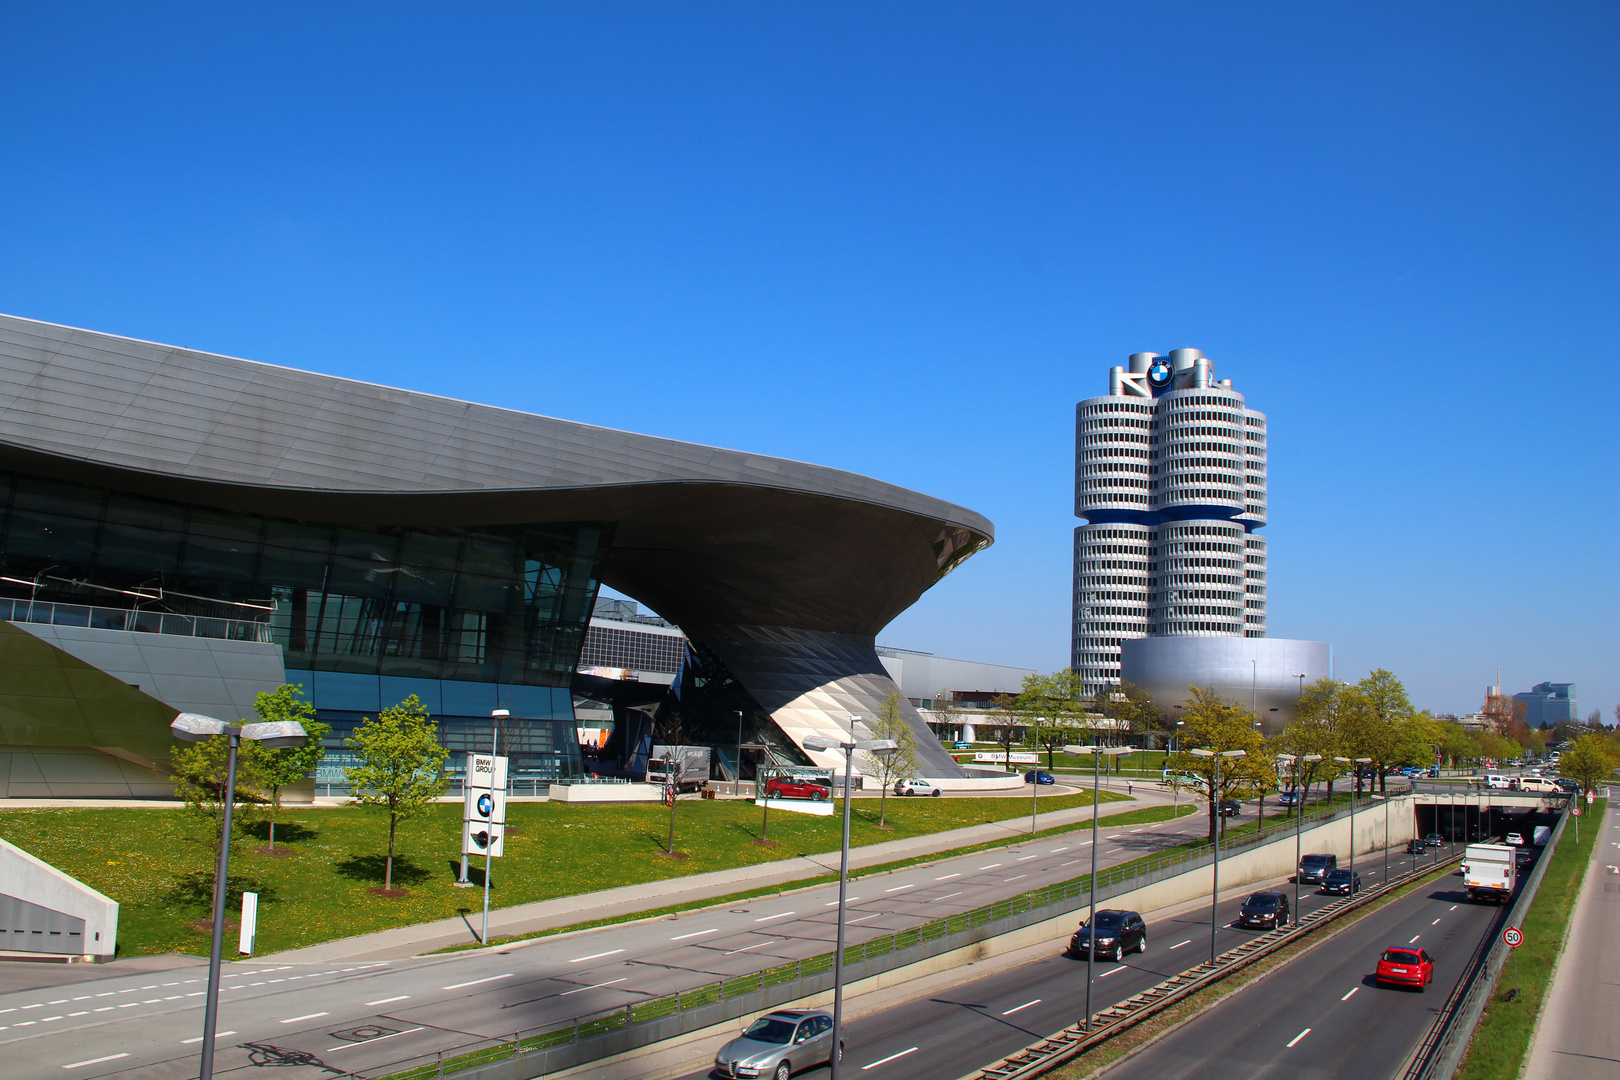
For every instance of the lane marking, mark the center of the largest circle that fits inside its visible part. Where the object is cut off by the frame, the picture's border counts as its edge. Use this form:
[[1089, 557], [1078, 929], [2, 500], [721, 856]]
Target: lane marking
[[1138, 830], [1296, 1038], [198, 1039], [1348, 996], [307, 1016], [388, 1001], [95, 1061], [1116, 836], [763, 918], [380, 1038], [756, 945], [1435, 923], [863, 918], [492, 978], [1414, 939], [1083, 843], [992, 866], [847, 900], [1024, 858], [695, 933], [1179, 944], [1112, 971], [1071, 862], [1453, 907], [1022, 1007], [1055, 850], [891, 1057], [897, 888], [947, 877], [582, 989], [575, 960], [947, 896], [1015, 877]]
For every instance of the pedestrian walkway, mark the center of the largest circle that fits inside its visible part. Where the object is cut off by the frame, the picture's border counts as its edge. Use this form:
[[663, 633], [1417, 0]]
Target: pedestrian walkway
[[406, 941], [1577, 1038]]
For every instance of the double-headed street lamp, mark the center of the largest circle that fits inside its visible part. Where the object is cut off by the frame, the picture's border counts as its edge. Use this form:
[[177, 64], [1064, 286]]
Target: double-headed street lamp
[[1357, 762], [193, 727], [1097, 754], [1214, 793], [1299, 816], [882, 748]]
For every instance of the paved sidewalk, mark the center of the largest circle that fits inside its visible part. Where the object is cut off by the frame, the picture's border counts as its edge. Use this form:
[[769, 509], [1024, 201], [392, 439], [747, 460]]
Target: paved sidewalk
[[1577, 1037], [421, 938]]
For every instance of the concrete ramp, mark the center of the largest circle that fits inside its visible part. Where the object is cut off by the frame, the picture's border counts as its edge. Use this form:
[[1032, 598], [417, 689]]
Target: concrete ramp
[[45, 912]]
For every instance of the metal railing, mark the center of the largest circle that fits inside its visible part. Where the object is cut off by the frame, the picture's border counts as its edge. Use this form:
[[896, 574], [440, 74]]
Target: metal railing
[[576, 1040], [140, 622]]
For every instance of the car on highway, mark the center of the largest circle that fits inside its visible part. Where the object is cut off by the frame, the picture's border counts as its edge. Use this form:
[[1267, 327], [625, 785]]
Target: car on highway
[[1038, 776], [1266, 910], [915, 786], [1515, 839], [798, 787], [777, 1045], [1290, 798], [1414, 846], [1118, 932], [1341, 882], [1231, 808], [1523, 859], [1405, 967], [1313, 868], [1434, 839]]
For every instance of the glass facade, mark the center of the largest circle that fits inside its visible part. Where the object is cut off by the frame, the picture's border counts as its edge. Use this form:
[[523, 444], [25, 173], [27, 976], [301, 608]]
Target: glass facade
[[469, 619]]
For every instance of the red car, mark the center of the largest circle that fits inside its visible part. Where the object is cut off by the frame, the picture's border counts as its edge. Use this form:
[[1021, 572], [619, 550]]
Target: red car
[[1405, 967], [792, 787]]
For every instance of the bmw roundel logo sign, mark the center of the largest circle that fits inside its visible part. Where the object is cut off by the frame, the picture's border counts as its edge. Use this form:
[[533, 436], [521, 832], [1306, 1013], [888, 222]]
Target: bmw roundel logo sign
[[1158, 373], [486, 805]]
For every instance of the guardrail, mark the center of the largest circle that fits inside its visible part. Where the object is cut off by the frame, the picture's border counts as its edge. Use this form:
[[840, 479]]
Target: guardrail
[[566, 1043], [140, 622], [1442, 1048]]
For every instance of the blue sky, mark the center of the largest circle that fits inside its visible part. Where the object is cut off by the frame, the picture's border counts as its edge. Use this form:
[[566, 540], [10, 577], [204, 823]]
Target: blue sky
[[904, 240]]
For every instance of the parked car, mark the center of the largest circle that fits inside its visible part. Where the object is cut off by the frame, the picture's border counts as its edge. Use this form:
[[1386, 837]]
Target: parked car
[[798, 787], [1405, 967], [1118, 932], [1231, 808], [1342, 882], [1569, 785], [1434, 839], [1515, 839], [1414, 847], [1314, 868], [959, 745], [914, 786], [779, 1044], [1267, 910], [1037, 776]]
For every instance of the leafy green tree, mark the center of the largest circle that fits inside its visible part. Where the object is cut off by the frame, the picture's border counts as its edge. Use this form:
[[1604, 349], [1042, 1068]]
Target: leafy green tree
[[1127, 710], [1050, 710], [200, 771], [1219, 725], [1590, 761], [278, 769], [890, 723], [401, 766], [1376, 724], [1317, 730]]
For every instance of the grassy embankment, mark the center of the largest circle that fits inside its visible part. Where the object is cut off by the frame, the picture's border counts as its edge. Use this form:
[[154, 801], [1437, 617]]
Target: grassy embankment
[[157, 862], [1502, 1038]]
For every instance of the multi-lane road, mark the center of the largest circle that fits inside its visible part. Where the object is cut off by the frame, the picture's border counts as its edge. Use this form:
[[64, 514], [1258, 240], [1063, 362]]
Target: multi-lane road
[[361, 1016]]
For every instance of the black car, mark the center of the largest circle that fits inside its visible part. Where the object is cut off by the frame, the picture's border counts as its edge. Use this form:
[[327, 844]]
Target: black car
[[1434, 839], [1342, 882], [1414, 847], [1569, 785], [1231, 808], [1313, 868], [1118, 932], [1267, 910], [1523, 858]]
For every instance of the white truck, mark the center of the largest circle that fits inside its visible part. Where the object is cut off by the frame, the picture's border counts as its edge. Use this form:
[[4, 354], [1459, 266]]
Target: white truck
[[1488, 872], [687, 767]]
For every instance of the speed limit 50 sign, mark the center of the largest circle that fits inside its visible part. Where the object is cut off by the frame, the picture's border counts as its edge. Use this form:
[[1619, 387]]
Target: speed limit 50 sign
[[1512, 937]]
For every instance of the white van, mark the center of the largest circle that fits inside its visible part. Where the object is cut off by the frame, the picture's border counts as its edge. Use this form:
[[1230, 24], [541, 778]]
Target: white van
[[1539, 785], [1497, 780]]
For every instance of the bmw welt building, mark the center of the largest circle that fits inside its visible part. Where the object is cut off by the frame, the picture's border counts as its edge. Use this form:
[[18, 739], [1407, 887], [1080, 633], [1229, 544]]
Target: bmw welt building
[[181, 530]]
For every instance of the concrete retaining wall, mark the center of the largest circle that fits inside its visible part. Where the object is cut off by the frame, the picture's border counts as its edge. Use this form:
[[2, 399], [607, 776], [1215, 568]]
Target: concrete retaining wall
[[48, 908], [605, 793]]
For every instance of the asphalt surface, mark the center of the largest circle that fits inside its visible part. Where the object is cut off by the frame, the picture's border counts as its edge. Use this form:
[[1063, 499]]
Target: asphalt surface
[[311, 1019], [983, 1021]]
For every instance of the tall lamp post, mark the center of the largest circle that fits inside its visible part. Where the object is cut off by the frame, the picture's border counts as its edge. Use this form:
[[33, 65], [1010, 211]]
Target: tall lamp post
[[1097, 754], [1299, 817], [1214, 793], [884, 748], [193, 727], [1358, 763]]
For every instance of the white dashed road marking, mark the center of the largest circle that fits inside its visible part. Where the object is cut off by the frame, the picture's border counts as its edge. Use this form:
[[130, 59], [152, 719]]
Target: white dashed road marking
[[198, 1039], [695, 933], [1298, 1037], [95, 1061], [891, 1057], [1021, 1008], [1179, 944], [765, 918], [494, 978], [388, 1001], [308, 1016], [582, 989], [1347, 997]]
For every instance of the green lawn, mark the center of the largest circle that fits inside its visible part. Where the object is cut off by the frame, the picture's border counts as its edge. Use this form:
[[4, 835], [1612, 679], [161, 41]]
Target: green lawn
[[1502, 1038], [157, 864]]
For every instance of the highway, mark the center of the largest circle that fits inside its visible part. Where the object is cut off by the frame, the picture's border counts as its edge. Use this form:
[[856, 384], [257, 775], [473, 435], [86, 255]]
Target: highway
[[982, 1021], [360, 1016]]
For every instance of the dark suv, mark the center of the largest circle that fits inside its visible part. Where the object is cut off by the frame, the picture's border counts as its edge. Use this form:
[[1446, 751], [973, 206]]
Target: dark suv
[[1231, 808], [1118, 932], [1267, 910], [1314, 868], [1341, 882]]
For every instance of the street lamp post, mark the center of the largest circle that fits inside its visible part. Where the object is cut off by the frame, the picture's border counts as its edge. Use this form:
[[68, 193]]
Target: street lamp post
[[1214, 793], [1357, 762], [1299, 818], [193, 727], [1097, 754], [882, 747]]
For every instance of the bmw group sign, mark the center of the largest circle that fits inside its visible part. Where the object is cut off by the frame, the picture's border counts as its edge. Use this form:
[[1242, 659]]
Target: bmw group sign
[[483, 830]]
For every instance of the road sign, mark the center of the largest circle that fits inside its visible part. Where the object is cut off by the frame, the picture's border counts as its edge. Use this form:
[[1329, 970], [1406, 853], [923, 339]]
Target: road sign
[[1512, 937], [483, 815], [1577, 811], [1591, 796]]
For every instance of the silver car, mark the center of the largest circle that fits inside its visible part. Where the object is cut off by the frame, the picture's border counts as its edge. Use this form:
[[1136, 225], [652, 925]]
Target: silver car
[[777, 1045]]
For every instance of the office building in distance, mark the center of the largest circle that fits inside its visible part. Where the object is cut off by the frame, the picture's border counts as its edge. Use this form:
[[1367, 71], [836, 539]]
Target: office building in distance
[[1169, 566], [1548, 704]]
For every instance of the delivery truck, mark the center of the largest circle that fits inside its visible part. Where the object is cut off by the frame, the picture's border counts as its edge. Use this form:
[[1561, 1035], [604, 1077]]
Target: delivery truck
[[1488, 871], [685, 766]]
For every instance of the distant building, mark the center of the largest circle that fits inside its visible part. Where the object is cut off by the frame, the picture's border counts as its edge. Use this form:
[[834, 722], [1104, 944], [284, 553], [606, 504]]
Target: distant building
[[1548, 704]]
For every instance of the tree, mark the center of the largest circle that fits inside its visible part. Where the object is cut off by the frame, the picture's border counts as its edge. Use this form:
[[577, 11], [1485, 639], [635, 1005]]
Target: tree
[[890, 723], [1126, 709], [278, 769], [1505, 716], [1317, 730], [401, 766], [1375, 724], [200, 774], [1050, 710], [1590, 761], [1219, 725]]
